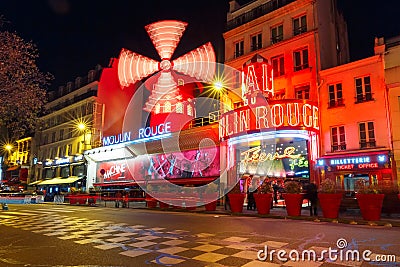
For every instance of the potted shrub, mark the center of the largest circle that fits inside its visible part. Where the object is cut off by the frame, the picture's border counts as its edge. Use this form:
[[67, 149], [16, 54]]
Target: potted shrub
[[293, 198], [210, 197], [150, 200], [370, 200], [329, 199], [236, 199], [263, 197]]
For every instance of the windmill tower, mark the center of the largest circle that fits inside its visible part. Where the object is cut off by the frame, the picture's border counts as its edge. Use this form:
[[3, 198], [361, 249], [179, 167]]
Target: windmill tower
[[168, 99]]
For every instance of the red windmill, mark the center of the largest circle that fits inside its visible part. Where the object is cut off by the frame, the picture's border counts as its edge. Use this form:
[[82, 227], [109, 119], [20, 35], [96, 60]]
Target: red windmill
[[168, 99]]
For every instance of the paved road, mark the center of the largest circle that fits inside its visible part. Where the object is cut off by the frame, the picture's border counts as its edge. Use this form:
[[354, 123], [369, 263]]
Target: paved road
[[63, 235]]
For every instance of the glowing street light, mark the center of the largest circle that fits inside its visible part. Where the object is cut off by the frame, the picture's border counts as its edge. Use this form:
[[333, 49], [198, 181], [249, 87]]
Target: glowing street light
[[82, 127]]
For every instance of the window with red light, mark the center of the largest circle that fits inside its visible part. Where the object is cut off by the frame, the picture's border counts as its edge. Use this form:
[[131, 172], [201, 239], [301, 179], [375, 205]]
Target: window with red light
[[299, 25], [276, 34], [338, 138], [300, 59], [303, 92], [239, 49], [367, 134], [279, 94], [278, 65], [363, 89], [256, 42], [335, 95]]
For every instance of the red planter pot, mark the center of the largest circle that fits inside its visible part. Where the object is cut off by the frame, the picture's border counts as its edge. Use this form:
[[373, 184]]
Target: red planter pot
[[330, 204], [263, 203], [210, 201], [293, 204], [236, 201], [164, 205], [370, 206], [151, 202], [73, 200], [82, 200], [212, 206]]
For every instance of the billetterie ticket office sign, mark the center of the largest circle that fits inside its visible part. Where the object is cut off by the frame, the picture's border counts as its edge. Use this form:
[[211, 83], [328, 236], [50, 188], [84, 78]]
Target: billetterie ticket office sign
[[293, 114]]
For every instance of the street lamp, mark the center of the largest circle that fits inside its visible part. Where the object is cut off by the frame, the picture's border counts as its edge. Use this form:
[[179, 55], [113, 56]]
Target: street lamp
[[8, 148], [82, 127]]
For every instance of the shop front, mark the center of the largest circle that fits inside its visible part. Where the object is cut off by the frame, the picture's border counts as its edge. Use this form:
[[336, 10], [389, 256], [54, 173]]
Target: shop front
[[278, 141], [346, 169], [60, 175]]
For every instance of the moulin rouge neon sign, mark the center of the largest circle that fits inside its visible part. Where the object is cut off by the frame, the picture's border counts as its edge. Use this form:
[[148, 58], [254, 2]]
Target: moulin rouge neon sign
[[288, 114], [255, 155]]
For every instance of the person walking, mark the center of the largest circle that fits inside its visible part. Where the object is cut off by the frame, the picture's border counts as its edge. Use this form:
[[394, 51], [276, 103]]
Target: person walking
[[118, 198], [312, 195]]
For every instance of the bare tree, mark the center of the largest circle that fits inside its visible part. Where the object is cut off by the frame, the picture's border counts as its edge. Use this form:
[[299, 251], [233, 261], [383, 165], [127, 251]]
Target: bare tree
[[22, 85]]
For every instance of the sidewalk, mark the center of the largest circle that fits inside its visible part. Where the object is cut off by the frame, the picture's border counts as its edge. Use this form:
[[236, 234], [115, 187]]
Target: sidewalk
[[350, 216]]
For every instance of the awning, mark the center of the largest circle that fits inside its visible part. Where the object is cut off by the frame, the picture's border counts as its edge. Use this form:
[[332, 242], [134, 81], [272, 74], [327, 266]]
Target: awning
[[36, 182], [183, 181], [59, 180], [116, 184], [13, 168]]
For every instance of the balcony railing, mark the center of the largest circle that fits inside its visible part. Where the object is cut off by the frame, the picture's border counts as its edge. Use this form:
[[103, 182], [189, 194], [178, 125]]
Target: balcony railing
[[256, 13], [335, 103], [276, 39], [368, 144], [337, 147], [299, 30], [364, 98]]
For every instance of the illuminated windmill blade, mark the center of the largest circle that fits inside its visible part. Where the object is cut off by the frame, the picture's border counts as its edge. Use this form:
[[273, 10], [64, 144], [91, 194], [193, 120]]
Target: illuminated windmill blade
[[198, 63], [166, 36], [133, 67]]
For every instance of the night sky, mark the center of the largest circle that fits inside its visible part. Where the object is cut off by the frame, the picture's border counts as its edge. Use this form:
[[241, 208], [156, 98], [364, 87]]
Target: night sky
[[75, 35]]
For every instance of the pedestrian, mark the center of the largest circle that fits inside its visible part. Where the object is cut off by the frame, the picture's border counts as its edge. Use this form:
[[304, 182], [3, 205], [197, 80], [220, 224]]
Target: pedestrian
[[118, 197], [251, 202], [227, 205], [275, 187], [312, 195]]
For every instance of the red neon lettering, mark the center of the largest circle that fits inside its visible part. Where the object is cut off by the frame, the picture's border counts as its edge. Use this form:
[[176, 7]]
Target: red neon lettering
[[345, 167]]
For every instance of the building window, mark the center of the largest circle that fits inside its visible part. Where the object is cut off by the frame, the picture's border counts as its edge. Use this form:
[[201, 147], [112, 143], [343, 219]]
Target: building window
[[239, 49], [157, 108], [279, 94], [278, 65], [69, 149], [300, 59], [276, 34], [363, 89], [61, 134], [367, 134], [256, 42], [338, 138], [303, 92], [53, 137], [335, 95], [167, 106], [189, 110], [299, 25], [179, 107]]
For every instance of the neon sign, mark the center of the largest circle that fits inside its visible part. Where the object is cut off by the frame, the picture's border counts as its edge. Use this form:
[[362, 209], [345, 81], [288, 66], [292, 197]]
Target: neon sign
[[355, 160], [151, 131], [252, 83], [287, 114], [114, 170], [116, 139], [357, 166], [255, 155]]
